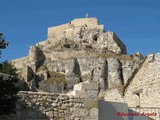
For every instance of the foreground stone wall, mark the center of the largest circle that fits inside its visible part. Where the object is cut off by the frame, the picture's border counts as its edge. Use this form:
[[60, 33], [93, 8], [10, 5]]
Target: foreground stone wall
[[34, 106]]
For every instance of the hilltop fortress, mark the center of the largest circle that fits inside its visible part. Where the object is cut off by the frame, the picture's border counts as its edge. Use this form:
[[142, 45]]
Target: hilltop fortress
[[82, 60]]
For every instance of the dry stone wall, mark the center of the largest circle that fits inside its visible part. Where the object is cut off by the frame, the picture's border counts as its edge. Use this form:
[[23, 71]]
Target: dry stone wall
[[51, 106]]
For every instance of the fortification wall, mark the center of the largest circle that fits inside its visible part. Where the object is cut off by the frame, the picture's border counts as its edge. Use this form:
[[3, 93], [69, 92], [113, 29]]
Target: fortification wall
[[90, 22], [60, 30], [51, 106], [54, 31]]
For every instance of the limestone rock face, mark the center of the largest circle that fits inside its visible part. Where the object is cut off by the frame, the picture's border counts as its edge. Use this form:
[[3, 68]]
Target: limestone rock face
[[127, 69], [81, 59], [111, 42], [115, 77], [72, 71], [89, 34], [57, 66], [145, 85], [101, 73], [114, 95], [35, 54], [51, 88], [98, 39], [79, 51], [86, 65]]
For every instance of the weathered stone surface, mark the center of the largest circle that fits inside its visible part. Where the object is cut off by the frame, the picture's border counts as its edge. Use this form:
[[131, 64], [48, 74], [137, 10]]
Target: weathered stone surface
[[91, 103], [52, 88], [35, 54], [127, 69], [101, 73], [114, 95], [37, 105], [85, 86], [56, 65], [86, 65], [82, 51], [115, 78], [94, 112], [85, 90], [144, 85], [42, 75], [72, 72], [111, 42], [71, 48], [85, 94]]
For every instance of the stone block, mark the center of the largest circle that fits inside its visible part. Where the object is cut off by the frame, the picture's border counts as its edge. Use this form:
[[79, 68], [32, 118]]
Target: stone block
[[91, 93], [80, 112], [91, 103], [54, 104], [86, 86], [89, 118], [94, 112], [85, 94], [79, 93]]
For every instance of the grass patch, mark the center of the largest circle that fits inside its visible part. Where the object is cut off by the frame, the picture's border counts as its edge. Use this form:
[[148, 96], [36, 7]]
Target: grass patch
[[67, 45], [58, 45], [117, 56], [55, 77], [42, 68], [126, 57]]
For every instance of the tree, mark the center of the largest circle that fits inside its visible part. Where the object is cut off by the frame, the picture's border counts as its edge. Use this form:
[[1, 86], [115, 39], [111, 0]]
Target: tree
[[7, 68], [3, 43], [8, 96], [8, 89]]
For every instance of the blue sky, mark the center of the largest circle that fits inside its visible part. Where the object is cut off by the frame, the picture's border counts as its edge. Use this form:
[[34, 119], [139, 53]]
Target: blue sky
[[25, 22]]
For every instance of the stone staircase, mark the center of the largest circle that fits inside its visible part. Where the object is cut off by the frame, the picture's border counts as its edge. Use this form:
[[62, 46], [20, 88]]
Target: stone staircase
[[85, 90]]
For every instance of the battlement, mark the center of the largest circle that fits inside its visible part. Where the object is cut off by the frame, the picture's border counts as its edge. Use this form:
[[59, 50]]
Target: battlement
[[88, 22], [73, 27]]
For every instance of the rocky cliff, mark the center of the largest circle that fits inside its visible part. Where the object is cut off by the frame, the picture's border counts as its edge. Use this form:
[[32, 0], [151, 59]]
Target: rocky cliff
[[76, 52], [84, 62]]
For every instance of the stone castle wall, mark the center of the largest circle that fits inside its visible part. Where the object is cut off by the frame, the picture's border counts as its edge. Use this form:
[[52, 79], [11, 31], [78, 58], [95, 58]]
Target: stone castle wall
[[51, 106], [72, 28], [54, 31], [90, 22], [85, 22]]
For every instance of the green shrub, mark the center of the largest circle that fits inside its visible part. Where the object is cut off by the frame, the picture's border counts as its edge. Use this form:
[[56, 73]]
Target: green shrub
[[89, 46], [55, 77], [67, 46]]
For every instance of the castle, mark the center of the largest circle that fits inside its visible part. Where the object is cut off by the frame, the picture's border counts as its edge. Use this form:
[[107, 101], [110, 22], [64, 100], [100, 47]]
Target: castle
[[82, 60]]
